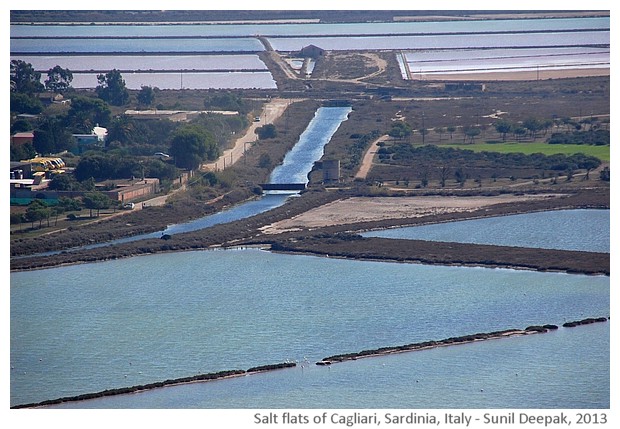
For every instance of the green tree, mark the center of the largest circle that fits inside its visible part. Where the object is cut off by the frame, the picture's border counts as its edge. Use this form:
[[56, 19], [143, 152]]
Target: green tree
[[146, 96], [96, 201], [24, 78], [266, 132], [58, 79], [69, 204], [191, 146], [444, 171], [588, 163], [64, 182], [21, 125], [440, 131], [37, 211], [533, 125], [451, 129], [103, 166], [503, 127], [25, 103], [226, 101], [51, 136], [112, 88], [519, 132], [472, 133], [159, 169], [460, 176], [87, 112], [22, 151], [604, 175], [400, 130], [122, 129]]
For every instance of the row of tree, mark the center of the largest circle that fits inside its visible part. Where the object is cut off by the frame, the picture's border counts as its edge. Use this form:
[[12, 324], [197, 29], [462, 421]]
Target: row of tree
[[26, 80], [111, 88], [528, 128], [405, 154], [39, 211]]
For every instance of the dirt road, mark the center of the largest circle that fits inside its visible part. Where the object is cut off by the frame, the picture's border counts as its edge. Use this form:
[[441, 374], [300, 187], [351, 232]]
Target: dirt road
[[272, 111], [368, 157]]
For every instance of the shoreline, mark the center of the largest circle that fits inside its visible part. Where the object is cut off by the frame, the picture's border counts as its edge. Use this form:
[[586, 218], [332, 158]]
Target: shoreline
[[247, 233]]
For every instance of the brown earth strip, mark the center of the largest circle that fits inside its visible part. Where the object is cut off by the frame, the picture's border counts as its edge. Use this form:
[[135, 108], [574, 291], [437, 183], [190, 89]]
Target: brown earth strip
[[247, 232], [442, 253]]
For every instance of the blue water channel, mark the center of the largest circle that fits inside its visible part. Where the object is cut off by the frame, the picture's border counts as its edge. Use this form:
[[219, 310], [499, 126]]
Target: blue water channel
[[295, 168]]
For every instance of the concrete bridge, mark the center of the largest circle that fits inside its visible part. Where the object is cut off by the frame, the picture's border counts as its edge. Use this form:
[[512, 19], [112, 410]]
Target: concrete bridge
[[283, 186]]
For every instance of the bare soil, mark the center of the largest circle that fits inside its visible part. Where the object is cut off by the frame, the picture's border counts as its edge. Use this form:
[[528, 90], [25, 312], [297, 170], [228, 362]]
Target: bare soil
[[374, 209]]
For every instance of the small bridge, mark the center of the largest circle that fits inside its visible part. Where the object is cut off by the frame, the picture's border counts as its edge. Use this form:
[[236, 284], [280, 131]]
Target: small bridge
[[283, 186]]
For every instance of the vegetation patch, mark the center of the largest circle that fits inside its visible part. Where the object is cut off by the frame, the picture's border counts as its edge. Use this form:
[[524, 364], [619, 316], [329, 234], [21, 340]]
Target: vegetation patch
[[600, 152]]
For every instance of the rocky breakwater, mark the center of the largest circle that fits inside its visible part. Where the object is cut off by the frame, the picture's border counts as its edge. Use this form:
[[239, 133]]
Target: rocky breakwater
[[534, 329], [171, 382]]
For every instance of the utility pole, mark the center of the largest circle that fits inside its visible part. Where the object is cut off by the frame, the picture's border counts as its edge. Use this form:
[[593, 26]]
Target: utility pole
[[423, 128]]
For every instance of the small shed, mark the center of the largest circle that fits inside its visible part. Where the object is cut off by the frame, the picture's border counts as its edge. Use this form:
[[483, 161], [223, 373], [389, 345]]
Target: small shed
[[22, 138], [312, 51]]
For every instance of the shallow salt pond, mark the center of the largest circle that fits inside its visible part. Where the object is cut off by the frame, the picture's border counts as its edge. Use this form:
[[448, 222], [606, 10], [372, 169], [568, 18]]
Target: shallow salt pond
[[580, 230]]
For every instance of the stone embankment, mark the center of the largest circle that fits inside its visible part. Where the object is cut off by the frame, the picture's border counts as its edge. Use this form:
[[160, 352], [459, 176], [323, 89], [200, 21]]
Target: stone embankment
[[140, 388], [536, 329]]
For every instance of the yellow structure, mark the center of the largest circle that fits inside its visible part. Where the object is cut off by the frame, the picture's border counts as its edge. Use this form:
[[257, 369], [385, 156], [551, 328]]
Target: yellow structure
[[40, 163]]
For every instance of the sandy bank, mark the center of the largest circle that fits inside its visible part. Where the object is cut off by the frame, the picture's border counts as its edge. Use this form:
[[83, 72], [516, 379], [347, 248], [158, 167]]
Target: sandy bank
[[368, 209]]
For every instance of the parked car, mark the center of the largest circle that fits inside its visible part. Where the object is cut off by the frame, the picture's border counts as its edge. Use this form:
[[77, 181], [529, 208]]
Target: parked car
[[129, 206]]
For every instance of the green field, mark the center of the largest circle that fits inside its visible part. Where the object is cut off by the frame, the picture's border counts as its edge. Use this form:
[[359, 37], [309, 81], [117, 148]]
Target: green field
[[600, 152]]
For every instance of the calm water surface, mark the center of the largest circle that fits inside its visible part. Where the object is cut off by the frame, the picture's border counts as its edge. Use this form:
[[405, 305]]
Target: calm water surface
[[307, 29], [91, 327], [517, 40], [582, 230], [298, 162], [507, 374], [49, 46], [147, 62], [186, 80], [501, 59], [554, 34]]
